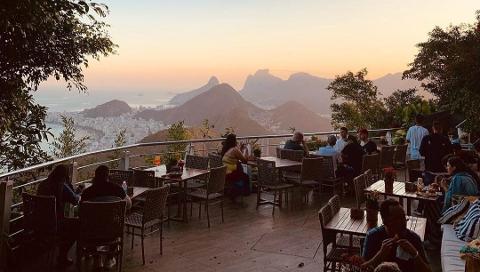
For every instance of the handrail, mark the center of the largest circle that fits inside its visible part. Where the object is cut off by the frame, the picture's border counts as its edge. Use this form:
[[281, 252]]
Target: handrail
[[162, 143]]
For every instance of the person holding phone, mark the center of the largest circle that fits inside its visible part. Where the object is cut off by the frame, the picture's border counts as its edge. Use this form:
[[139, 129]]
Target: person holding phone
[[393, 242]]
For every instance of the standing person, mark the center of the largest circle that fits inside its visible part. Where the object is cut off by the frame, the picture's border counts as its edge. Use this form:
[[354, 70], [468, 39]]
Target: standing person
[[342, 141], [297, 143], [394, 242], [434, 147], [58, 185], [330, 150], [237, 182], [415, 136], [368, 145], [103, 189]]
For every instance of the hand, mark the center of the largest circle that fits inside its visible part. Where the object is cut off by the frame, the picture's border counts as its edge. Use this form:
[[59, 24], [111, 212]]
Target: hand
[[387, 247], [242, 146], [407, 247], [444, 184]]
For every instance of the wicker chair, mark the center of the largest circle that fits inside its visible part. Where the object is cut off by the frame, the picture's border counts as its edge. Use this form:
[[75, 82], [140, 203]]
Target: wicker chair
[[40, 223], [371, 162], [292, 155], [334, 203], [278, 152], [400, 156], [119, 176], [414, 170], [333, 256], [144, 178], [360, 184], [215, 160], [152, 216], [268, 182], [196, 162], [329, 178], [310, 175], [369, 177], [101, 225], [212, 194], [386, 156]]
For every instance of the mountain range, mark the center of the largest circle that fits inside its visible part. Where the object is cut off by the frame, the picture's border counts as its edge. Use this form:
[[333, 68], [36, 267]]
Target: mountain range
[[181, 98], [111, 108], [224, 107], [268, 91]]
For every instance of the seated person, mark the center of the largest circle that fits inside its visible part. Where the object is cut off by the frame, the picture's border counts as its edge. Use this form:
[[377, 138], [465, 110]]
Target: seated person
[[330, 150], [58, 185], [368, 145], [237, 182], [393, 242], [352, 155], [463, 181], [342, 141], [297, 143], [103, 189]]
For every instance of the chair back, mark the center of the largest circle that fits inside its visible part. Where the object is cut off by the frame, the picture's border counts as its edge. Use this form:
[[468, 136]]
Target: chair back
[[215, 160], [400, 155], [386, 156], [414, 170], [311, 169], [267, 174], [328, 166], [334, 203], [40, 214], [370, 162], [368, 177], [278, 152], [325, 215], [102, 221], [359, 183], [118, 176], [293, 155], [196, 162], [216, 180], [155, 202], [144, 178]]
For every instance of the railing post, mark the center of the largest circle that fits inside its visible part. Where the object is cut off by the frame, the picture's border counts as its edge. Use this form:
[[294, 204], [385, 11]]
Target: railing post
[[74, 172], [6, 191], [268, 146], [125, 160]]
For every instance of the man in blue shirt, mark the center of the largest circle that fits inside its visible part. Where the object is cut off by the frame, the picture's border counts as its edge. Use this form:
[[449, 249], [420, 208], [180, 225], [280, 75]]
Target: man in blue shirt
[[393, 242], [297, 143], [330, 150]]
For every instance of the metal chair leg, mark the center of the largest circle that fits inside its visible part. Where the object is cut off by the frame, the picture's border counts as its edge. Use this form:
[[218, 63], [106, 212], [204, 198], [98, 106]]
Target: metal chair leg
[[208, 214], [143, 249]]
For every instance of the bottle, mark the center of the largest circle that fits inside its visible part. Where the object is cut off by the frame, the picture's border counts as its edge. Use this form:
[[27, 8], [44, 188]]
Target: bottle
[[124, 186], [420, 184]]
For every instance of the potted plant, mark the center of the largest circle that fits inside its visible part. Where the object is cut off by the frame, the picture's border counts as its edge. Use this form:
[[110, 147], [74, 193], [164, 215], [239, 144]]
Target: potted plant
[[389, 178], [372, 207], [257, 150]]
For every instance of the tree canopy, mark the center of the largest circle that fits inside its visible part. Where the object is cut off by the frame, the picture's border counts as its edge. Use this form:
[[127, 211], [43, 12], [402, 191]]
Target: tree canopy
[[40, 39], [448, 64]]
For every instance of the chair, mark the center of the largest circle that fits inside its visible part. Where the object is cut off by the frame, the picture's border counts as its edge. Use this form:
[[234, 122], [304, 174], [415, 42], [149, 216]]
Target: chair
[[152, 216], [310, 175], [368, 177], [371, 162], [196, 162], [400, 156], [214, 191], [360, 184], [414, 170], [101, 227], [269, 182], [329, 179], [333, 256], [215, 160], [386, 156], [119, 176], [40, 222], [343, 240], [292, 155], [278, 151], [144, 178]]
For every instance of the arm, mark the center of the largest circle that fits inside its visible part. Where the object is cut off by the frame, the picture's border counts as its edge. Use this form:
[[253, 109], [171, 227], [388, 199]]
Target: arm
[[409, 135], [239, 155], [380, 256], [423, 146], [418, 255], [129, 202], [69, 195]]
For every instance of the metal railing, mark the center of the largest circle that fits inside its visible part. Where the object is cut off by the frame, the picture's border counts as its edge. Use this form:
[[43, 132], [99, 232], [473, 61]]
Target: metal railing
[[125, 157]]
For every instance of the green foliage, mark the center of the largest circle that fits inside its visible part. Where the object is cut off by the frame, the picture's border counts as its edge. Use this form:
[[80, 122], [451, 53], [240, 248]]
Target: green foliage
[[447, 65], [228, 130], [22, 128], [66, 144], [421, 107], [40, 39], [396, 104], [176, 132], [360, 105], [205, 129], [120, 140], [315, 143]]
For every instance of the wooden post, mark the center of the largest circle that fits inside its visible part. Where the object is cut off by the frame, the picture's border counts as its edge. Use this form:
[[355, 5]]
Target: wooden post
[[125, 160], [6, 194]]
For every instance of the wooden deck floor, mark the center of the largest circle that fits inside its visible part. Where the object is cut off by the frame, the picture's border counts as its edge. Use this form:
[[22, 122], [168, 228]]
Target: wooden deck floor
[[249, 240]]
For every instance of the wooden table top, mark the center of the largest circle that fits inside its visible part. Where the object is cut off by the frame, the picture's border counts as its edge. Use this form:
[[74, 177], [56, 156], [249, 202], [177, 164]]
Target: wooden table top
[[279, 163], [136, 190], [188, 173], [398, 190], [342, 223]]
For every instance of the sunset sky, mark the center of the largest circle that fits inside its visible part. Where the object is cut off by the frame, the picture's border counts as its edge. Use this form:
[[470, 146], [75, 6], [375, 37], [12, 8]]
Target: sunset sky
[[178, 45]]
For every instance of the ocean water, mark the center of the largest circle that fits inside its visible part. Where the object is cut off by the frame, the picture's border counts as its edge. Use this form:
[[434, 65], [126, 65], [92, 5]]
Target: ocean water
[[55, 129]]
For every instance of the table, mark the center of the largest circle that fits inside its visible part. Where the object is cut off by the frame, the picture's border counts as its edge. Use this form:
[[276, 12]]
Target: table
[[342, 223], [188, 173], [399, 191]]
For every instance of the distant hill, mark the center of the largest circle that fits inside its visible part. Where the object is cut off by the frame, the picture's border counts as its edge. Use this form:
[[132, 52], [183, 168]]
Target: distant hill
[[181, 98], [110, 109], [392, 82], [224, 107]]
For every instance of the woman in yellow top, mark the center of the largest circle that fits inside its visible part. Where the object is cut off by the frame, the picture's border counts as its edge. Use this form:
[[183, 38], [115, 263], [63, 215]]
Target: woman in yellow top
[[237, 182]]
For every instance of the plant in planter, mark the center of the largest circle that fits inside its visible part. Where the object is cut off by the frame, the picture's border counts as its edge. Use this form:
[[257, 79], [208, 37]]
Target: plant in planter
[[389, 178], [372, 207]]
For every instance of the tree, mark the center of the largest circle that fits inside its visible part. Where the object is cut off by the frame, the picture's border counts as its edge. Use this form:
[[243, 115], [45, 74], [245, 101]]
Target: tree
[[396, 104], [40, 39], [447, 65], [176, 132], [120, 140], [66, 145], [360, 105]]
